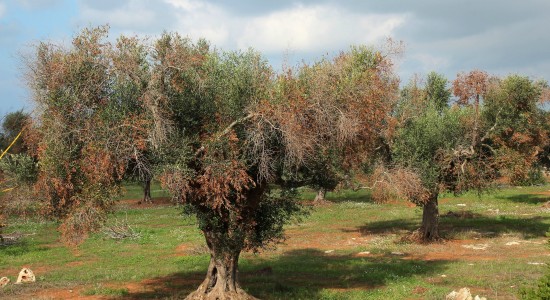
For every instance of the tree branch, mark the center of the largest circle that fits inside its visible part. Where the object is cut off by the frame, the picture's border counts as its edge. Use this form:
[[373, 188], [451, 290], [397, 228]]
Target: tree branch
[[227, 130]]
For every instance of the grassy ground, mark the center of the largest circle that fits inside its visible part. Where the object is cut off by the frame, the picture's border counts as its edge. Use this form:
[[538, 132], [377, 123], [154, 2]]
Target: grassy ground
[[351, 249]]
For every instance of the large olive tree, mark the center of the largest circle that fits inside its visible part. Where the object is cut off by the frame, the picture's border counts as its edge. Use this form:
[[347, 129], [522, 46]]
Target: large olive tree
[[228, 135], [228, 129]]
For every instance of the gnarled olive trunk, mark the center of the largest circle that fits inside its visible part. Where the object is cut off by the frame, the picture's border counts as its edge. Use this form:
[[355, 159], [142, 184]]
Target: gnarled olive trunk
[[221, 282], [429, 230], [320, 197], [147, 191], [225, 240]]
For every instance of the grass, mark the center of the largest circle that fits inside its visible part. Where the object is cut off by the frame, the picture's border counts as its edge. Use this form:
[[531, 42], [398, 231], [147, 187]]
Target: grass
[[320, 260], [135, 191]]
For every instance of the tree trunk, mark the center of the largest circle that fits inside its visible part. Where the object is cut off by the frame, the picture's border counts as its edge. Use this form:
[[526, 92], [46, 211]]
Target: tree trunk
[[429, 231], [321, 193], [221, 282], [147, 191]]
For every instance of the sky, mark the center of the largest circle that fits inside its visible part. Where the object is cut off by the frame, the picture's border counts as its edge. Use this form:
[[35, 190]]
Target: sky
[[499, 36]]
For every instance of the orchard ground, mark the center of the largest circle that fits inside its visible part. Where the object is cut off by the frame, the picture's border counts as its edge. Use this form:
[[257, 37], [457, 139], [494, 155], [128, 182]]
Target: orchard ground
[[350, 249]]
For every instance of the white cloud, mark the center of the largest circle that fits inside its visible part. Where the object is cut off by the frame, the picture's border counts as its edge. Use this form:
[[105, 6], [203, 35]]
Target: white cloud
[[302, 28], [316, 28], [134, 16], [307, 29], [200, 19]]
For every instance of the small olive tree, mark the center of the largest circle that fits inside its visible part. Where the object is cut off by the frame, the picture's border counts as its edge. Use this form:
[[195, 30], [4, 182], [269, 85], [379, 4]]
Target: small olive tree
[[521, 137], [436, 148], [86, 128]]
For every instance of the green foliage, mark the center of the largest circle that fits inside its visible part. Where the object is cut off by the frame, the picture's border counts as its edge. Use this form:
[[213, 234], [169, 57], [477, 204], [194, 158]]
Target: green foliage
[[437, 91], [12, 124], [540, 292], [21, 168], [542, 288], [421, 142]]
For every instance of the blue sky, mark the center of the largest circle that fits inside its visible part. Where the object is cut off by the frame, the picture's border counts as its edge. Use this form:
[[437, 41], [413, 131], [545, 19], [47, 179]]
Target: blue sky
[[499, 36]]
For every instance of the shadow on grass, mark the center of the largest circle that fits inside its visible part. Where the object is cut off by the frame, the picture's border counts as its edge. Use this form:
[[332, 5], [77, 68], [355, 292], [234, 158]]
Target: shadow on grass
[[450, 225], [300, 274], [19, 248], [527, 198]]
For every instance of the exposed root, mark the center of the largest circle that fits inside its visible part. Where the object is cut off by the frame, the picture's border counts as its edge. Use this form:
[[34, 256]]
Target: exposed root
[[418, 237], [204, 292]]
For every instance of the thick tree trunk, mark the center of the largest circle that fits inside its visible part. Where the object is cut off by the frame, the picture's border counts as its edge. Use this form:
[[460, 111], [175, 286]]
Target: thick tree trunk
[[320, 197], [429, 231], [147, 191], [221, 282]]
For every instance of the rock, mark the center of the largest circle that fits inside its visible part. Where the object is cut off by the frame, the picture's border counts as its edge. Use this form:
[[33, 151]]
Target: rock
[[25, 276], [451, 296], [479, 298], [329, 251], [4, 281], [476, 247], [462, 294], [512, 243]]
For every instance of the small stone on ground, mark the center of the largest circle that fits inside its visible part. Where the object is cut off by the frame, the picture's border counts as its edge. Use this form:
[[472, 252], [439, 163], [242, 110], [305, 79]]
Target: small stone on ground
[[4, 281], [25, 276]]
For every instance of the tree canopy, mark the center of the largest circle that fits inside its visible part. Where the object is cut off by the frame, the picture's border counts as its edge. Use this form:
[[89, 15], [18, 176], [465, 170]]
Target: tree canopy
[[229, 137]]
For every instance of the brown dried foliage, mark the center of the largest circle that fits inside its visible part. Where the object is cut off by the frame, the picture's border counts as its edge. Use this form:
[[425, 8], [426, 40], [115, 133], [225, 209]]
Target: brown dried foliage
[[470, 86], [81, 142], [398, 183]]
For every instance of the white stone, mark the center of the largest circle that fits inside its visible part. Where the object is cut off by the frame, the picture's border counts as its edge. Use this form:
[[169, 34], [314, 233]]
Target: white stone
[[464, 294], [476, 247], [25, 276], [451, 295], [4, 281]]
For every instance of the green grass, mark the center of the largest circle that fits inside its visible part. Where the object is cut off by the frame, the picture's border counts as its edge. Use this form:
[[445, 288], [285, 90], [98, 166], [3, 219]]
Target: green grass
[[135, 191], [301, 269]]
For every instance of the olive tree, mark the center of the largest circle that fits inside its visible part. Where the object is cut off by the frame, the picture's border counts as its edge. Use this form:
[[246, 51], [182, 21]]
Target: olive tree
[[228, 129], [521, 137], [86, 128], [436, 148], [229, 136]]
